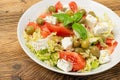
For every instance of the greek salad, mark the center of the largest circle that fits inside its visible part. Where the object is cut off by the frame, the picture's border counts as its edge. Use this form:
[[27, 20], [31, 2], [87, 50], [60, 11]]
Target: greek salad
[[71, 38]]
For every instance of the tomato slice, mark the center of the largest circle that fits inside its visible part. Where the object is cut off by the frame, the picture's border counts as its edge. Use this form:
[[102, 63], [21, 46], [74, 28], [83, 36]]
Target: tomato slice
[[111, 48], [44, 15], [58, 6], [45, 31], [61, 30], [109, 41], [73, 6], [76, 59], [33, 24], [99, 46]]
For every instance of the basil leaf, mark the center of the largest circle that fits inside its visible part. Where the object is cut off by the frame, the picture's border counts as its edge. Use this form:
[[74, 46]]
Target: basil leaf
[[67, 21], [80, 29], [77, 16], [65, 18], [61, 16]]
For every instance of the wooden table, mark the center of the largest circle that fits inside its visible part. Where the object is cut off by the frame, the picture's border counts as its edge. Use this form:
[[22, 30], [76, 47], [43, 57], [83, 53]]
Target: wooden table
[[16, 65]]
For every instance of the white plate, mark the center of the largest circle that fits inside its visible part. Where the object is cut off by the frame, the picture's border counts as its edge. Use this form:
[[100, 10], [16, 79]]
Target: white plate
[[33, 12]]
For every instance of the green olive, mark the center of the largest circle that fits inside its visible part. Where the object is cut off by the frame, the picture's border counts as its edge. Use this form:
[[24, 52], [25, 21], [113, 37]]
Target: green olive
[[85, 43], [52, 9], [79, 50], [64, 9], [83, 11], [83, 20], [76, 42], [92, 13], [29, 30], [39, 21], [95, 51], [69, 12]]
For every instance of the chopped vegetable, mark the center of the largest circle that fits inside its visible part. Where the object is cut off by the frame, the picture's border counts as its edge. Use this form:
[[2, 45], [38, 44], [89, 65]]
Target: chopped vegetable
[[52, 9], [70, 39], [85, 43], [61, 31], [58, 6], [29, 30], [73, 6], [76, 59], [77, 16], [80, 29], [39, 21]]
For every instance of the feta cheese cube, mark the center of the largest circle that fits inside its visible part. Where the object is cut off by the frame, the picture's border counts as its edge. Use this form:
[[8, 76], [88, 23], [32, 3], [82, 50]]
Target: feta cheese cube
[[101, 28], [91, 21], [51, 19], [40, 44], [64, 65], [104, 57], [66, 42]]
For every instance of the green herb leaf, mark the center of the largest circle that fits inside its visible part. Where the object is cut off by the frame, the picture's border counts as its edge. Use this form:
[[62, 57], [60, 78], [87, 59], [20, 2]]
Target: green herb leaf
[[80, 29], [65, 18], [61, 16], [77, 16]]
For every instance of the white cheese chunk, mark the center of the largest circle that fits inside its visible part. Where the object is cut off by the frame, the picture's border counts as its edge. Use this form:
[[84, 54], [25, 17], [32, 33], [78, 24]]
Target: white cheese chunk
[[64, 65], [104, 56], [91, 21], [101, 28], [51, 19], [66, 42], [40, 44]]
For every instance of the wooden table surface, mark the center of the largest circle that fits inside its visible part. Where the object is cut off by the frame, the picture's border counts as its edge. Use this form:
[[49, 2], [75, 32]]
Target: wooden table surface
[[16, 65]]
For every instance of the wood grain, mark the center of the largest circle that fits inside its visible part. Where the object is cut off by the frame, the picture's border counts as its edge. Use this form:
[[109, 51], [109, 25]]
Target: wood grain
[[16, 65]]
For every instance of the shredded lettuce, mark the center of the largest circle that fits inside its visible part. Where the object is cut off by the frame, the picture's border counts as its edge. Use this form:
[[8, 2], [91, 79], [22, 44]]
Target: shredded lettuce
[[91, 63], [53, 59], [36, 36], [43, 54], [28, 44], [107, 19], [51, 45], [95, 64]]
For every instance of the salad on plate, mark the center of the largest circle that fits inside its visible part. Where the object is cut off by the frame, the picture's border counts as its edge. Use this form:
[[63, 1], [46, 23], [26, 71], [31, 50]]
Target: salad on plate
[[71, 38]]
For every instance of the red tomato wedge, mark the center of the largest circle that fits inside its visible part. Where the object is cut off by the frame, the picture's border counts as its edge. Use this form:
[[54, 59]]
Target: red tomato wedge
[[111, 44], [45, 31], [61, 30], [109, 41], [99, 46], [58, 6], [73, 6], [77, 60], [33, 24], [44, 15]]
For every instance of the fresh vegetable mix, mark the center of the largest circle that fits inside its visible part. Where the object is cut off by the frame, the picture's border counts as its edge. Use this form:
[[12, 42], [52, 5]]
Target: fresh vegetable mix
[[71, 38]]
